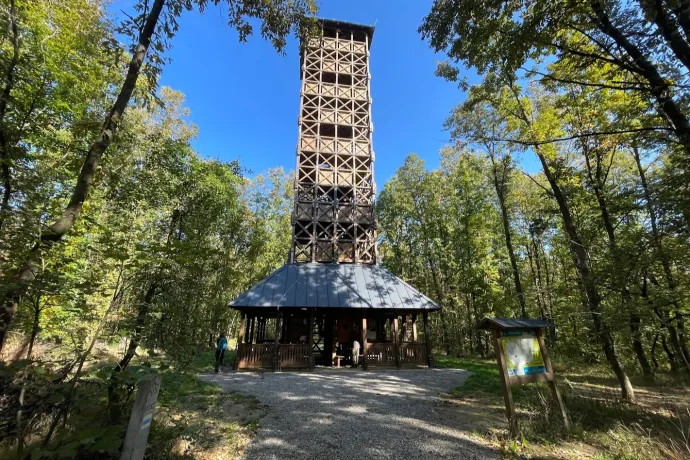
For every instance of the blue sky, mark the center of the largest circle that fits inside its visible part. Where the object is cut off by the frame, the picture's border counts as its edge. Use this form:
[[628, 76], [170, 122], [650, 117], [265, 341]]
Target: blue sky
[[245, 97]]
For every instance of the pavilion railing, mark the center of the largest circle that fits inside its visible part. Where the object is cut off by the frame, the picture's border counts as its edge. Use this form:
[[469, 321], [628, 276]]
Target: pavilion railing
[[295, 356], [255, 356], [413, 354], [381, 354]]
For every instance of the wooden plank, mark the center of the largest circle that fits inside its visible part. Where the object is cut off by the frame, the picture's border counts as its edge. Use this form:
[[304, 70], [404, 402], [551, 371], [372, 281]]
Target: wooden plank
[[533, 378]]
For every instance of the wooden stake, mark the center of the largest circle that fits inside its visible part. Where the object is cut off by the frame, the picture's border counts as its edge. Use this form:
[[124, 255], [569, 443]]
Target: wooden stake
[[552, 381], [505, 383]]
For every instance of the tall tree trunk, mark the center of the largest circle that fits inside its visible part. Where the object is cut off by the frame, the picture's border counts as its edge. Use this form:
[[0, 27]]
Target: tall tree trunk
[[535, 281], [548, 298], [31, 268], [682, 12], [500, 186], [582, 264], [658, 86], [5, 160], [597, 181], [679, 345], [590, 289], [35, 326], [668, 28], [637, 346]]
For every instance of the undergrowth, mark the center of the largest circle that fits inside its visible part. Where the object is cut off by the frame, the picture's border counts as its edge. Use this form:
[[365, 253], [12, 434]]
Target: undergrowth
[[598, 417], [192, 418]]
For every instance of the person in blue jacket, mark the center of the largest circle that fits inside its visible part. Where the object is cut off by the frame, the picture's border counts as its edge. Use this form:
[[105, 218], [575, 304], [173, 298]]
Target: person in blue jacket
[[221, 346]]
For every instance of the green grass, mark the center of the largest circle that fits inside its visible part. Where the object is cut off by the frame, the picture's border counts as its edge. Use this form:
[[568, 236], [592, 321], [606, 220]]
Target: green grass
[[484, 379]]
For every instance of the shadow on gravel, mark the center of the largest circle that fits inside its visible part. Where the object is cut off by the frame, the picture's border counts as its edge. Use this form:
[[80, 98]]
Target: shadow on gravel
[[353, 414]]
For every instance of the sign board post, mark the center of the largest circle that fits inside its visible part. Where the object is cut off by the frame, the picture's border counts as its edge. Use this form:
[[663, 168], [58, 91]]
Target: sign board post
[[522, 358], [141, 418]]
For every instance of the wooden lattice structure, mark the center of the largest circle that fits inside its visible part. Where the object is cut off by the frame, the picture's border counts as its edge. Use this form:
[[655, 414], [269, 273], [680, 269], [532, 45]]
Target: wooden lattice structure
[[332, 293], [333, 218]]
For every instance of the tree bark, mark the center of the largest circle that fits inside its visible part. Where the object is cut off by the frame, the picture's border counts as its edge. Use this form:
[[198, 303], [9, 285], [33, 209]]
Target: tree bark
[[35, 326], [500, 186], [590, 289], [659, 88], [669, 30], [535, 282], [682, 12], [5, 159], [55, 232]]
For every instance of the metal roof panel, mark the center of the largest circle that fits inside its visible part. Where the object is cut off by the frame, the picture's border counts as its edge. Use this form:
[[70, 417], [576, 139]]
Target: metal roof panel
[[333, 286]]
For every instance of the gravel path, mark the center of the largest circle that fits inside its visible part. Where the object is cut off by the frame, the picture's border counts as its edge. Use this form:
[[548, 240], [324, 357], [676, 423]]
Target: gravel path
[[348, 414]]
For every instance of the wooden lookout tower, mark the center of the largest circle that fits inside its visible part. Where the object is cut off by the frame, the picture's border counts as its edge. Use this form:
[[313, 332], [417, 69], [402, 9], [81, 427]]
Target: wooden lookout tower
[[332, 295]]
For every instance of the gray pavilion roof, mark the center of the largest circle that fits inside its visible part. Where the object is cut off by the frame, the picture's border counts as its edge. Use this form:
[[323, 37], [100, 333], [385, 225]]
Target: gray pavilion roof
[[334, 286]]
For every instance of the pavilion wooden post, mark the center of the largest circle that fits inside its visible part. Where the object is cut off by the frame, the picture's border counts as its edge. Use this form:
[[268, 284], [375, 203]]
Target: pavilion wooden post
[[252, 322], [427, 340], [310, 339], [276, 343], [240, 338], [396, 339], [505, 384], [364, 341], [243, 328], [552, 382], [414, 328], [262, 330]]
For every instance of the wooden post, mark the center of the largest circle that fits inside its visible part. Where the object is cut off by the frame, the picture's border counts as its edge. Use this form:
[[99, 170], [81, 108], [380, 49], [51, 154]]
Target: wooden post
[[427, 340], [414, 328], [240, 339], [141, 418], [505, 383], [250, 335], [276, 344], [243, 328], [364, 341], [396, 339], [328, 339], [310, 339], [552, 381]]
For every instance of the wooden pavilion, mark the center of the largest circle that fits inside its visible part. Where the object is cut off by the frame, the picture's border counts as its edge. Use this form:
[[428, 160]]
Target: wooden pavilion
[[332, 292]]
